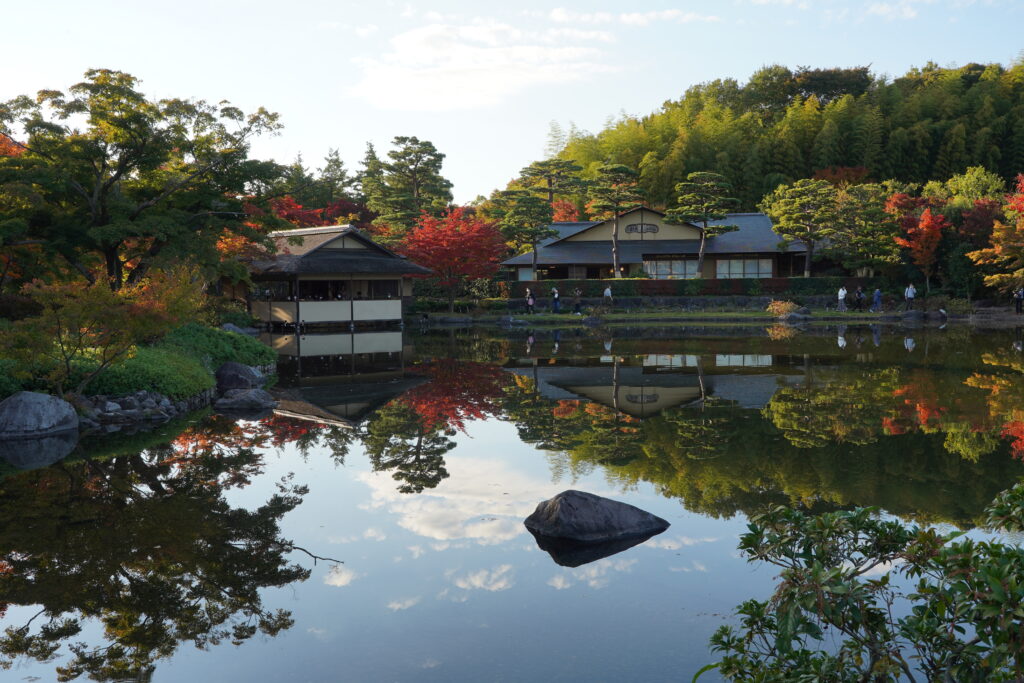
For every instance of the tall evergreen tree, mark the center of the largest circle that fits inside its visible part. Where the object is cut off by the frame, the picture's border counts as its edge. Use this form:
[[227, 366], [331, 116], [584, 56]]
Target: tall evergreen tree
[[806, 212], [553, 178], [615, 191], [703, 198], [524, 220]]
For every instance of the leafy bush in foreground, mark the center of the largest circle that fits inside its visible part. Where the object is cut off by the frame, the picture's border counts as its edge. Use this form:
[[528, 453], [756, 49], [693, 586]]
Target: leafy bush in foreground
[[165, 370], [213, 346], [832, 618]]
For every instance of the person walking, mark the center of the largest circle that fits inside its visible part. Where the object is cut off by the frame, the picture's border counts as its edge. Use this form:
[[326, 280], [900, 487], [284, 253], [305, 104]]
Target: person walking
[[608, 295], [908, 296], [1018, 300], [556, 302], [858, 300], [876, 301], [530, 301], [577, 308], [842, 299]]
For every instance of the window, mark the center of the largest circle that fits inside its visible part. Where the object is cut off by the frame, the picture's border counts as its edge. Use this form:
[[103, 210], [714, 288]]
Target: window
[[743, 360], [670, 268], [733, 268]]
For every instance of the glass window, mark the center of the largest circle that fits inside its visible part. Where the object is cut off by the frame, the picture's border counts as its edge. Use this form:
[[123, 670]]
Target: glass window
[[764, 267]]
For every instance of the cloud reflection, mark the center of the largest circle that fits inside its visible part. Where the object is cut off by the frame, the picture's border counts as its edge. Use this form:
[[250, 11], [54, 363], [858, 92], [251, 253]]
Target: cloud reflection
[[483, 501]]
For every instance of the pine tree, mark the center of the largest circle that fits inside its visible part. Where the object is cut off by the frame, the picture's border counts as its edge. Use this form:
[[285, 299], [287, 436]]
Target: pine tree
[[615, 191], [703, 198]]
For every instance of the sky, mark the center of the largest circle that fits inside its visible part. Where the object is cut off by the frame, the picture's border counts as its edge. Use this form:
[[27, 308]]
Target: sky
[[482, 81]]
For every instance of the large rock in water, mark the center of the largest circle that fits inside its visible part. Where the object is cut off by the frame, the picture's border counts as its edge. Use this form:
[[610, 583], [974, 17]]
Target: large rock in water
[[587, 518], [28, 414], [40, 451], [233, 375], [245, 401]]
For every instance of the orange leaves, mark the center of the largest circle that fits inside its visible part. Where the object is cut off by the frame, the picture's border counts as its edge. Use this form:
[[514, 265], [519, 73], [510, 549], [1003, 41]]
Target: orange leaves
[[564, 211], [565, 409], [10, 148], [457, 391], [923, 239], [1015, 430], [457, 246]]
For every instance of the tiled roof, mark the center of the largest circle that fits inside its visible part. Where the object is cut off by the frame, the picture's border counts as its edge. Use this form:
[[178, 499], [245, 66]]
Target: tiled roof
[[304, 258], [755, 236]]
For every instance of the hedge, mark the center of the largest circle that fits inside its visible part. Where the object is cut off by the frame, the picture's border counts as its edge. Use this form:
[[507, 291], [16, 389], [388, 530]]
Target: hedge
[[698, 287], [164, 370], [215, 346]]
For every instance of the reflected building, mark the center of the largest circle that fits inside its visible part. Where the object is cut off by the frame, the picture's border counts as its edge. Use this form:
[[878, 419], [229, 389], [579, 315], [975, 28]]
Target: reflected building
[[340, 378], [644, 386]]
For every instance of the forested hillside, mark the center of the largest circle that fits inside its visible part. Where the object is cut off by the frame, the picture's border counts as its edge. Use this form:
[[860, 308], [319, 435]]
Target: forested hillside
[[783, 125]]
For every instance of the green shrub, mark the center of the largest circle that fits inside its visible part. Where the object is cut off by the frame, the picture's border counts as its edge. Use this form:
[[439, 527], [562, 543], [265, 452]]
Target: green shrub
[[239, 318], [213, 347], [166, 370], [8, 383]]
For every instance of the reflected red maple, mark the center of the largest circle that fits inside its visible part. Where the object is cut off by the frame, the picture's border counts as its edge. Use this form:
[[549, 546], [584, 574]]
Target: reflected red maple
[[458, 391]]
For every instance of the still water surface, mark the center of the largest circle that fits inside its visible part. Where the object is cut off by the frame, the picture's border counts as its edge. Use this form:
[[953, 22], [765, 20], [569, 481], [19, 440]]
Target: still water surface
[[410, 460]]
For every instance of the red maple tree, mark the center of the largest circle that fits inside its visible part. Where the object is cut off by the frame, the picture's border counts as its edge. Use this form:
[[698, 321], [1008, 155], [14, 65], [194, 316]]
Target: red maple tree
[[457, 391], [923, 242], [564, 211], [457, 247]]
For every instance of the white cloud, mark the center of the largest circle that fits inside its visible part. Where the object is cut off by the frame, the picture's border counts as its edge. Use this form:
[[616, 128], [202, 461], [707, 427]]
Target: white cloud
[[497, 579], [396, 605], [663, 16], [564, 16], [416, 551], [560, 582], [340, 575], [902, 9], [367, 30], [695, 566], [597, 575], [444, 67], [374, 534], [483, 502], [676, 543]]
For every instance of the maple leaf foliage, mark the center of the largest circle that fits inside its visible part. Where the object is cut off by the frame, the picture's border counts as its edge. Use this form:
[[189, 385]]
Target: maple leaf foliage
[[457, 247], [923, 240], [564, 211], [10, 148], [457, 391]]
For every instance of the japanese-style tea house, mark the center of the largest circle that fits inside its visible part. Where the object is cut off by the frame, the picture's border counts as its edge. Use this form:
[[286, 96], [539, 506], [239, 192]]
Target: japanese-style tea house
[[331, 276]]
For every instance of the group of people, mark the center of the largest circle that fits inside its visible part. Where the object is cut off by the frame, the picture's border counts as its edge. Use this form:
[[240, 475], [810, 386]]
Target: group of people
[[859, 297], [556, 300]]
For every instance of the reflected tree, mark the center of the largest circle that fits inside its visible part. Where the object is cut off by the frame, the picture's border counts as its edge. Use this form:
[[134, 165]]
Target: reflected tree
[[399, 440], [149, 547]]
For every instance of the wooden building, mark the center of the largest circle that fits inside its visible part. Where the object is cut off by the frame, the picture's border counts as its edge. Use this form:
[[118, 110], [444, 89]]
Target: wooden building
[[331, 276], [649, 247]]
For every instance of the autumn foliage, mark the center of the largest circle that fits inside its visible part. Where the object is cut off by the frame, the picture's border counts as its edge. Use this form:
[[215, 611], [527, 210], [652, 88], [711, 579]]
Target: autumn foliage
[[564, 211], [923, 240], [457, 247], [457, 391]]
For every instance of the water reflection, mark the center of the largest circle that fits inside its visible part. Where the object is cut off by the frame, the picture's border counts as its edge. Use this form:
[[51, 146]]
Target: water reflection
[[143, 538], [146, 545]]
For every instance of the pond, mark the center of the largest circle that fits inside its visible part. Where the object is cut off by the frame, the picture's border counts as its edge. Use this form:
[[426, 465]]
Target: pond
[[372, 528]]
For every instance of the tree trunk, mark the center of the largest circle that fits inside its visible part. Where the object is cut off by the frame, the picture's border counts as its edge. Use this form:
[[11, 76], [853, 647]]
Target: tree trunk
[[807, 261], [700, 254], [451, 299], [616, 272], [535, 261]]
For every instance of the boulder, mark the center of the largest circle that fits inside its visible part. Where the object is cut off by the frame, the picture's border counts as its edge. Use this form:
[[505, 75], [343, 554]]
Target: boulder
[[245, 401], [32, 453], [232, 375], [586, 518], [574, 553], [913, 315], [28, 413], [793, 318], [230, 327], [803, 310]]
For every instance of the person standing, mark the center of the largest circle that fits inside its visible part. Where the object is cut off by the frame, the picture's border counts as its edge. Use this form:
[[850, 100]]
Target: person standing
[[556, 302], [908, 295], [858, 300], [608, 295], [1018, 300], [876, 301], [577, 295], [842, 299], [530, 301]]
